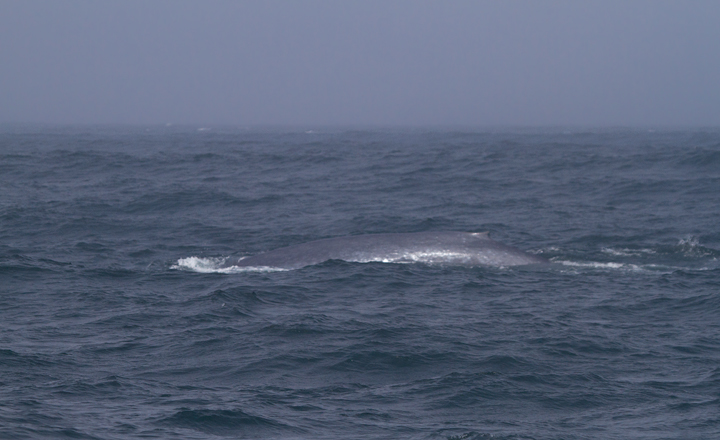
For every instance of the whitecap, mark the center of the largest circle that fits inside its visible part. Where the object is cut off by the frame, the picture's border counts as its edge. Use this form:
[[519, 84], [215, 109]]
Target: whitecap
[[599, 265], [627, 252], [215, 265]]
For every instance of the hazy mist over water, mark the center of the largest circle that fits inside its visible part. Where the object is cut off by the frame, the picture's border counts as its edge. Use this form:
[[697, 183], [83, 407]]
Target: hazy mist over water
[[360, 62]]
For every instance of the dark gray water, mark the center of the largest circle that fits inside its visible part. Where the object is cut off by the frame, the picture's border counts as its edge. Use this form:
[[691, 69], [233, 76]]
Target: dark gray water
[[117, 320]]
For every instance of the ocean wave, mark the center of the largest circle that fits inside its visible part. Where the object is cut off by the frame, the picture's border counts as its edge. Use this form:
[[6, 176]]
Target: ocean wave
[[227, 422], [116, 326], [629, 267], [215, 265], [625, 252]]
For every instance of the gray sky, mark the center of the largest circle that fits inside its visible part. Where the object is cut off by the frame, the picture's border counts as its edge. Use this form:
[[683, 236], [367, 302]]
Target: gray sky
[[407, 62]]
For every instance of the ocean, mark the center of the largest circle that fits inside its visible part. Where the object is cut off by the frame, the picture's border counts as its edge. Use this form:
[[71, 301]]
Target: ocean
[[117, 320]]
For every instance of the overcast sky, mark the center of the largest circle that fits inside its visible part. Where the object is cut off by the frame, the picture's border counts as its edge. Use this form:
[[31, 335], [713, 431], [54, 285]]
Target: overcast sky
[[404, 62]]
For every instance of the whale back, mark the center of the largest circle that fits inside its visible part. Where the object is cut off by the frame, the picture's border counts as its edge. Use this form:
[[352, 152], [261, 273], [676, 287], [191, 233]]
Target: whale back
[[451, 248]]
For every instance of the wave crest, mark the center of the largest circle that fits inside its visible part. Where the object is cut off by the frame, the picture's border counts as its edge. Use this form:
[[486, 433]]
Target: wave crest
[[215, 265]]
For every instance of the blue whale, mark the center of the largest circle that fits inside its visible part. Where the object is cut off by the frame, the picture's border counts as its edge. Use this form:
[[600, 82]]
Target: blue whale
[[448, 248]]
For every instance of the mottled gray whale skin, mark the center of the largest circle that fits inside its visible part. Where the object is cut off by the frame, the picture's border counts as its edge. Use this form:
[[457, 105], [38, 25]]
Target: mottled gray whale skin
[[447, 248]]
